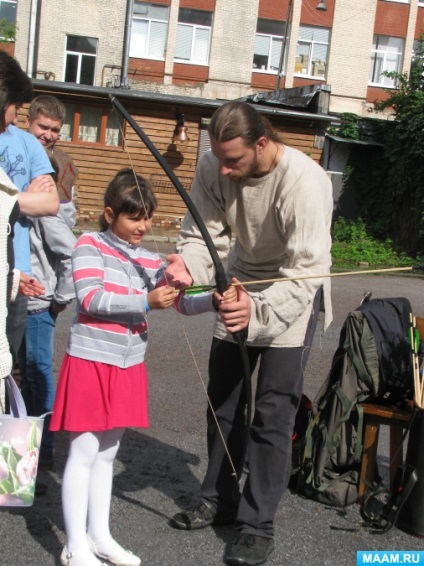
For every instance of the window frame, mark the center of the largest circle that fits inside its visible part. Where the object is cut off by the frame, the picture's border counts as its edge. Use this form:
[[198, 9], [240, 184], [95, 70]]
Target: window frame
[[375, 51], [10, 31], [195, 27], [272, 37], [312, 43], [13, 2], [75, 122], [140, 18], [80, 54]]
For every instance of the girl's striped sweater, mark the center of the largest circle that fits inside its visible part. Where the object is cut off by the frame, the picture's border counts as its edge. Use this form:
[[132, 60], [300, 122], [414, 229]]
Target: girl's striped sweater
[[112, 279]]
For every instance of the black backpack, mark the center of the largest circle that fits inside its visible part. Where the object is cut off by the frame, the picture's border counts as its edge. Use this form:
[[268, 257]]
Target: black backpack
[[372, 362]]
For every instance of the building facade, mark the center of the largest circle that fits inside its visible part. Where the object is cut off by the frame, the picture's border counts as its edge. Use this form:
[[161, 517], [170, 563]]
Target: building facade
[[218, 49], [175, 59]]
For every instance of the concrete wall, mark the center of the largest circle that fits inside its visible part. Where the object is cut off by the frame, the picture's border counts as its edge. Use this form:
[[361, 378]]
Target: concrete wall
[[229, 73], [350, 51], [101, 19]]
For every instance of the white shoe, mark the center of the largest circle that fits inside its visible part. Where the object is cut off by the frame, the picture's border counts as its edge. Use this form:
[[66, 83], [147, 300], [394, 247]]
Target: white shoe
[[83, 558], [119, 556]]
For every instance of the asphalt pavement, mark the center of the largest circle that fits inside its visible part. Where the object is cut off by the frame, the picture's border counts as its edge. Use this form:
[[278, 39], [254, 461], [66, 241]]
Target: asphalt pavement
[[159, 470]]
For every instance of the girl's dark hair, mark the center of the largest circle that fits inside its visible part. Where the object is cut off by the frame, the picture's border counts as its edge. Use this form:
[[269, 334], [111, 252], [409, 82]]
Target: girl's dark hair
[[128, 193], [15, 85], [238, 119]]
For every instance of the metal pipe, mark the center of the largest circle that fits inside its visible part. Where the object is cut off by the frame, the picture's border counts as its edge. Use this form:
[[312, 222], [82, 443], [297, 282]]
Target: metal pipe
[[127, 41], [31, 38], [284, 45]]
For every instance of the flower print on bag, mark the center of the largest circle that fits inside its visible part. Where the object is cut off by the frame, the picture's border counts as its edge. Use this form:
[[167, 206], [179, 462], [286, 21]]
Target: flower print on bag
[[26, 470], [19, 454]]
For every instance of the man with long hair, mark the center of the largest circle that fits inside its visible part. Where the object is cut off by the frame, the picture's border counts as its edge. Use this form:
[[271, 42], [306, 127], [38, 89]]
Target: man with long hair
[[278, 204]]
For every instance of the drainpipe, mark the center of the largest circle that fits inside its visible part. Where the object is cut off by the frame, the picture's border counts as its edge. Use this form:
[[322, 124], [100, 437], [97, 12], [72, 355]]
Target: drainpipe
[[127, 40], [280, 73], [32, 38]]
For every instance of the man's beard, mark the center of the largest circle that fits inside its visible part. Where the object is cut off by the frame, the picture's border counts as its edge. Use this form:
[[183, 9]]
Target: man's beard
[[238, 177]]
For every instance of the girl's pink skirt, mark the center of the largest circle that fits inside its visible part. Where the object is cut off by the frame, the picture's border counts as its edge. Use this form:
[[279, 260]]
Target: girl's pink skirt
[[93, 396]]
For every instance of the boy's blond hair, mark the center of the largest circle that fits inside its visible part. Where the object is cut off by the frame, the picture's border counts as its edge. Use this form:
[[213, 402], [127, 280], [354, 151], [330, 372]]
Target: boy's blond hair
[[48, 105]]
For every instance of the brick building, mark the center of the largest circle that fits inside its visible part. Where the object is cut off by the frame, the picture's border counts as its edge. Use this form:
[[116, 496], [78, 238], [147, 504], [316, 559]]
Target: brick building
[[172, 57], [218, 49]]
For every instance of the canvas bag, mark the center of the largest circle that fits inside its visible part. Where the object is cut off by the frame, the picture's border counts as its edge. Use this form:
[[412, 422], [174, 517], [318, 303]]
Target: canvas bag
[[20, 435], [20, 439], [372, 362], [330, 469]]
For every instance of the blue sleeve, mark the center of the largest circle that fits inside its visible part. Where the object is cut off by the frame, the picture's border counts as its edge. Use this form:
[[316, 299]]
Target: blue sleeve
[[39, 162]]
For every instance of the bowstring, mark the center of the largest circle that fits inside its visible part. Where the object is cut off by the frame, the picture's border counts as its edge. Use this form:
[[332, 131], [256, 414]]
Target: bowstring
[[196, 365]]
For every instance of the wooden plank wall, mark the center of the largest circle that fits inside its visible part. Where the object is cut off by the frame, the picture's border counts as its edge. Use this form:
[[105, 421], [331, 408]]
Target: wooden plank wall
[[98, 164]]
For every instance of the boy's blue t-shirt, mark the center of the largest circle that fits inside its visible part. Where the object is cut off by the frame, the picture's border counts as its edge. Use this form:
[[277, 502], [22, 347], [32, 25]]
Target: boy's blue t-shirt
[[23, 158]]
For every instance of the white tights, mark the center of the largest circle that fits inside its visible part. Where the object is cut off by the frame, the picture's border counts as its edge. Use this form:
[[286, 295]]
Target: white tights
[[87, 487]]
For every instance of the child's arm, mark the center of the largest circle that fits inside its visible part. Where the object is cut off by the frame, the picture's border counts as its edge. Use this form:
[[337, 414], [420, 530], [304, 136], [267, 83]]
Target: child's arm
[[60, 241], [94, 295], [204, 302], [98, 297], [162, 297]]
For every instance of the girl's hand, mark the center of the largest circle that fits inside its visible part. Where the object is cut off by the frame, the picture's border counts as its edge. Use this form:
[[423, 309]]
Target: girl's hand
[[162, 297]]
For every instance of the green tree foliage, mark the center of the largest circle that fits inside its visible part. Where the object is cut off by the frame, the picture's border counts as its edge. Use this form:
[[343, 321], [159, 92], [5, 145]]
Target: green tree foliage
[[349, 127], [389, 180], [404, 156]]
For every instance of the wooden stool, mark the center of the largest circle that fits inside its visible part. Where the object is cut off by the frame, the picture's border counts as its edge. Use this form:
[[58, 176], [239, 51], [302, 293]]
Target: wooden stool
[[374, 416]]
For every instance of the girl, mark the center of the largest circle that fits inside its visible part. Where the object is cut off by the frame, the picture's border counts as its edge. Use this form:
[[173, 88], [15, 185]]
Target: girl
[[102, 386]]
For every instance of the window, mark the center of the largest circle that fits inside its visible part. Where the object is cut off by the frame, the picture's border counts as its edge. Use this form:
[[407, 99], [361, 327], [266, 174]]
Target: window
[[149, 31], [312, 51], [92, 124], [80, 62], [193, 36], [268, 45], [8, 11], [386, 55], [7, 20]]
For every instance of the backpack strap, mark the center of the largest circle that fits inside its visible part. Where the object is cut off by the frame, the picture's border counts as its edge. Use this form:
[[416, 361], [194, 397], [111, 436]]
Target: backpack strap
[[359, 447]]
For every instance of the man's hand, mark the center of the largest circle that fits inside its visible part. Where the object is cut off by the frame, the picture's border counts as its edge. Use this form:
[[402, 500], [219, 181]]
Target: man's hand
[[162, 297], [29, 286], [229, 296], [41, 184], [177, 273], [236, 314], [40, 198]]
